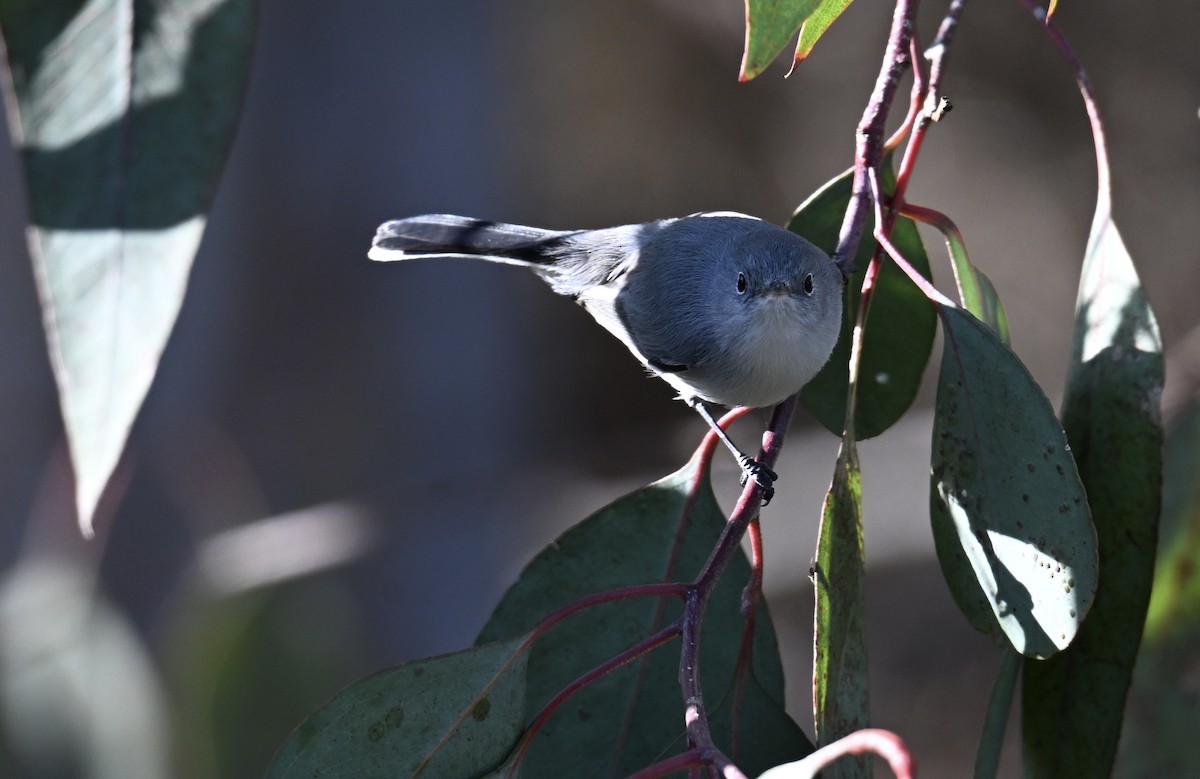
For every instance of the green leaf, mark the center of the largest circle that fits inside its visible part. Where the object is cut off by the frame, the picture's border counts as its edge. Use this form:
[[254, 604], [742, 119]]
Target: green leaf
[[1075, 702], [1010, 517], [1159, 734], [840, 700], [975, 290], [124, 113], [816, 24], [770, 24], [900, 329], [987, 758], [634, 715], [991, 308], [457, 715]]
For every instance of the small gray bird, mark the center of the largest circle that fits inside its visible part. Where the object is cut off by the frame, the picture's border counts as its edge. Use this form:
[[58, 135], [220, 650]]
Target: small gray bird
[[724, 307]]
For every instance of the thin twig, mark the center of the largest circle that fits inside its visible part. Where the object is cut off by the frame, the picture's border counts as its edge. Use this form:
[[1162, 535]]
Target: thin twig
[[936, 54]]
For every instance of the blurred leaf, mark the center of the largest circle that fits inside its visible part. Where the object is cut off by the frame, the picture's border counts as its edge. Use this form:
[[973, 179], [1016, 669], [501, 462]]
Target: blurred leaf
[[456, 715], [79, 694], [816, 24], [900, 329], [1159, 732], [124, 112], [840, 699], [634, 715], [244, 670], [770, 24], [1010, 516], [1073, 704]]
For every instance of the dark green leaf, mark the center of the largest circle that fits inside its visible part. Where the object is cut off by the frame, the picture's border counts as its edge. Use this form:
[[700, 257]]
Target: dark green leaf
[[987, 758], [1010, 517], [840, 700], [1074, 703], [634, 716], [816, 25], [456, 715], [900, 329], [1159, 734], [770, 24], [125, 111]]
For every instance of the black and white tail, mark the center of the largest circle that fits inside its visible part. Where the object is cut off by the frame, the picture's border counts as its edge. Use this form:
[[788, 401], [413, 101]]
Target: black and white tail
[[445, 235]]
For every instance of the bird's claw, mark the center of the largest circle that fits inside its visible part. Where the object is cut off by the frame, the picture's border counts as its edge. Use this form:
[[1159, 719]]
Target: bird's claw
[[762, 475]]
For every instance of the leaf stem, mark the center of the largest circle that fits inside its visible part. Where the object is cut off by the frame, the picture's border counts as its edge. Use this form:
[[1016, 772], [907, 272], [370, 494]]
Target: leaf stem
[[1086, 92], [884, 743], [922, 283]]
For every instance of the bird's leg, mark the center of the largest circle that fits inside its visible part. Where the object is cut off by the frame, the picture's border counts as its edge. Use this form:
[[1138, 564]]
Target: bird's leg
[[751, 468]]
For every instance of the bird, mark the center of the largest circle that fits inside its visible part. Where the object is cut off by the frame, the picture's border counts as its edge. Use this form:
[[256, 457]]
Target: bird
[[727, 308]]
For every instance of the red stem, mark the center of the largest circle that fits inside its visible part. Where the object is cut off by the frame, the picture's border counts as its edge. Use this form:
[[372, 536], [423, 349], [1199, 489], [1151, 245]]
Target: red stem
[[884, 743], [1085, 90]]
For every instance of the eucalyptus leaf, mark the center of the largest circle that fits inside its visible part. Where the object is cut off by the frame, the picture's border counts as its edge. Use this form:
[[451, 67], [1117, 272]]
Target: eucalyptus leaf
[[634, 716], [1159, 733], [1010, 517], [124, 112], [770, 25], [1112, 417], [457, 715], [816, 24], [899, 332], [840, 683]]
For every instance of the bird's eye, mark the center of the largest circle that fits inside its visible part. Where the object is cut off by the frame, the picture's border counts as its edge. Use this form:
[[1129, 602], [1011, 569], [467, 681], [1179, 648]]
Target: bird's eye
[[742, 284], [808, 284]]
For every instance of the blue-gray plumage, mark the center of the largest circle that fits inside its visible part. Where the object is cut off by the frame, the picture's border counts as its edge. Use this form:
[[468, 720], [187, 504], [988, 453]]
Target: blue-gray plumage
[[724, 307]]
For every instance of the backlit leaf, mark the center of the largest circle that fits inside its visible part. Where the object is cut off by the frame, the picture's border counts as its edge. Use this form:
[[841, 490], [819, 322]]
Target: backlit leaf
[[770, 25], [124, 112]]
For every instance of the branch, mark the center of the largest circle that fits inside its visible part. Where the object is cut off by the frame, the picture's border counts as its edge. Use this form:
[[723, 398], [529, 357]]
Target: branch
[[937, 54], [869, 145]]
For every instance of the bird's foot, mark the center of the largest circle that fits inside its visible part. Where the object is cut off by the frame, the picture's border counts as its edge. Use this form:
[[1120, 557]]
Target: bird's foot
[[762, 475]]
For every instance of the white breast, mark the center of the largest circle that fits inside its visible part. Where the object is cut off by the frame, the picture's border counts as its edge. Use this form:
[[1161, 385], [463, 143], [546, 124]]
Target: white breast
[[769, 358]]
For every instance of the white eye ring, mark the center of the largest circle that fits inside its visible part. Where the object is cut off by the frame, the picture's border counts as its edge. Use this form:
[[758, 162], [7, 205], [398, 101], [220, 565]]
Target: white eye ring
[[742, 284], [808, 284]]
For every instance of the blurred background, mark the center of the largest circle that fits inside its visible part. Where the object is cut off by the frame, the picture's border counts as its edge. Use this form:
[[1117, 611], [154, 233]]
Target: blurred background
[[342, 465]]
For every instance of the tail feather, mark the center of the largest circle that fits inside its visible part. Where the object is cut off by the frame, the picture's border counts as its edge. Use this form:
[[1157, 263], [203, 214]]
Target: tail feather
[[445, 234]]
